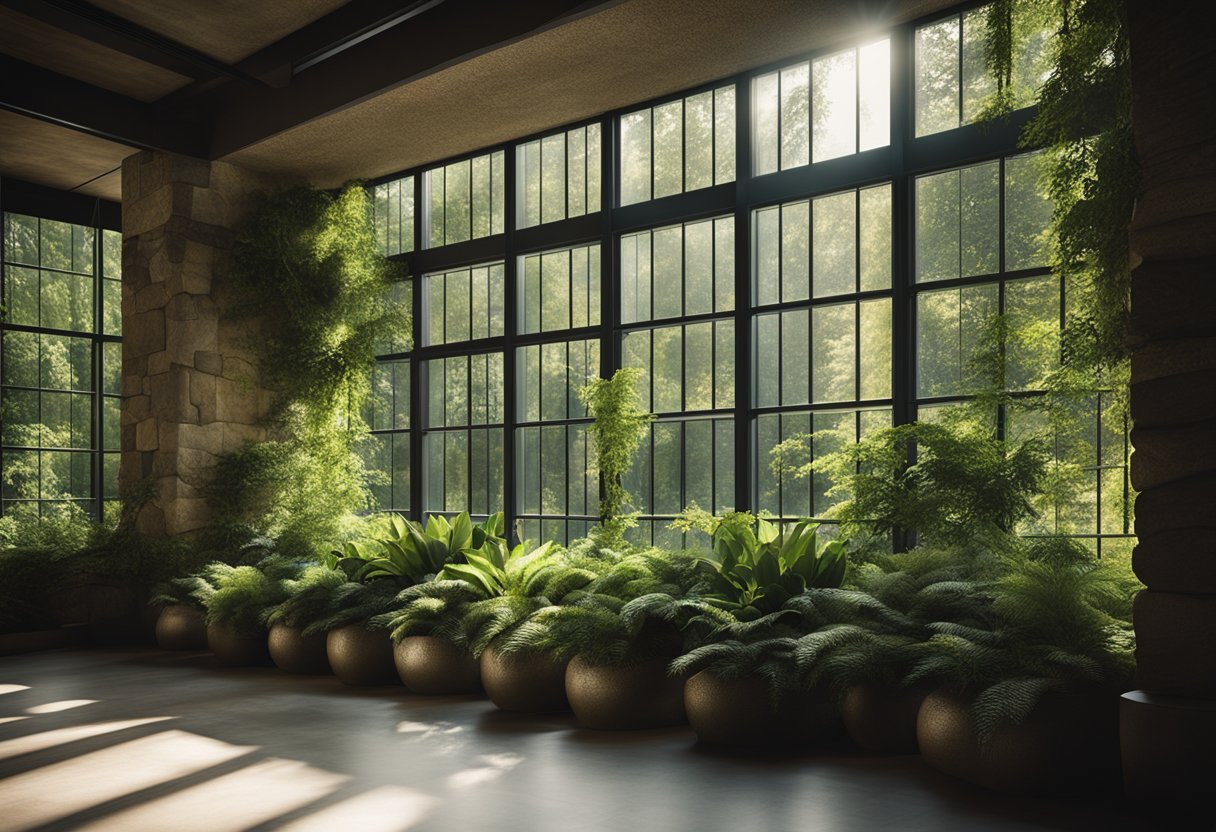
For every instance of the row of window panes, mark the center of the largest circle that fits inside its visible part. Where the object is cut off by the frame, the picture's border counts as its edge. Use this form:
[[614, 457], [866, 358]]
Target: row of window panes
[[678, 271], [823, 109], [558, 176], [809, 112], [952, 79]]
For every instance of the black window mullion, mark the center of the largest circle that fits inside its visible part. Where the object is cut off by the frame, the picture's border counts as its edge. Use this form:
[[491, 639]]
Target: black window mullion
[[745, 334]]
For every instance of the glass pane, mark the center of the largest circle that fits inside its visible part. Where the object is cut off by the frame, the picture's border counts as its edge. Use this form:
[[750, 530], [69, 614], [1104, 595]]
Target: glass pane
[[795, 123], [668, 149], [699, 141], [874, 103], [875, 233], [835, 234], [937, 77], [1027, 214], [834, 368], [835, 106], [635, 157], [724, 135], [767, 104]]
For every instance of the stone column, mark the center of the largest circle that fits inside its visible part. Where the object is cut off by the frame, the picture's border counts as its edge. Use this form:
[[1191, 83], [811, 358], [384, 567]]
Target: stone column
[[1169, 727], [189, 384]]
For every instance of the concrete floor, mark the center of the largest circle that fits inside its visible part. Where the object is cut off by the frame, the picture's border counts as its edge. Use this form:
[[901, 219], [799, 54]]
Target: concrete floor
[[144, 739]]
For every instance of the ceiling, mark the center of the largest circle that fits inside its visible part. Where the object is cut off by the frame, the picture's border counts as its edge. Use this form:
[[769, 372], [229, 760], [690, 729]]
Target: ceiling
[[82, 85]]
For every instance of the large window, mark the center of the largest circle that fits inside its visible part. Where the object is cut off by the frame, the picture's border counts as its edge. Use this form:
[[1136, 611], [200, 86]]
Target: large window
[[60, 365], [831, 292]]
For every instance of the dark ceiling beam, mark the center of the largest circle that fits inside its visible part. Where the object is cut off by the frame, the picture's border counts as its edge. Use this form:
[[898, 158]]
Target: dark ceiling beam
[[117, 33], [42, 94], [438, 37]]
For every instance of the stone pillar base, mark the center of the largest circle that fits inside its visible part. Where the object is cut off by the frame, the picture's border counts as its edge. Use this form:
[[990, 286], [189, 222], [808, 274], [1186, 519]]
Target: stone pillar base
[[1169, 749]]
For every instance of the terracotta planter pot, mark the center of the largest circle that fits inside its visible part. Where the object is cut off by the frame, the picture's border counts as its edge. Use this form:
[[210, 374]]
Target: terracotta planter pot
[[742, 714], [530, 684], [236, 650], [1067, 743], [433, 666], [294, 652], [624, 697], [181, 627], [882, 719], [359, 656]]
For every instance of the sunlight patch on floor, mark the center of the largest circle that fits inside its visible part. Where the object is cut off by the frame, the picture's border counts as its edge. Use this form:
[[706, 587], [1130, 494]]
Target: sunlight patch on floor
[[6, 719], [62, 705], [386, 809], [239, 800], [12, 688], [49, 739], [56, 791], [495, 766]]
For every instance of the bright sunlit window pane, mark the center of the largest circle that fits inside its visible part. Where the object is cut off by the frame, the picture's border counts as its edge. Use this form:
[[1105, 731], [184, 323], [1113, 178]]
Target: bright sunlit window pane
[[835, 106], [464, 200], [678, 146]]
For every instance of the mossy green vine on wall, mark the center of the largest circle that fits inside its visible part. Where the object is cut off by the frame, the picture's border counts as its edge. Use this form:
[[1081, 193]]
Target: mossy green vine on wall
[[307, 267]]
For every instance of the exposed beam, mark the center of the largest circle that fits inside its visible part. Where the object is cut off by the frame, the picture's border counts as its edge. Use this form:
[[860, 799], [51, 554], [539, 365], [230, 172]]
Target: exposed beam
[[436, 38], [110, 30], [46, 95]]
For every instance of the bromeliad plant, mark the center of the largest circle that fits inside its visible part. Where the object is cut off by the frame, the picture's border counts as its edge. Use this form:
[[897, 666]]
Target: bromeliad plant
[[754, 573], [411, 553]]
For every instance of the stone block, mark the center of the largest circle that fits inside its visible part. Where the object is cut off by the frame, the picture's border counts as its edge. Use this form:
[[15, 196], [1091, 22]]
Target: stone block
[[146, 435], [132, 385], [203, 396], [158, 362], [184, 516], [135, 409], [151, 210], [185, 338], [1174, 400], [239, 369], [197, 269], [195, 467], [187, 307], [236, 436], [151, 521], [1177, 560], [126, 437], [129, 469], [143, 333], [208, 437], [188, 169], [171, 396], [209, 362], [152, 296], [1165, 454], [1177, 505], [211, 207], [1174, 637], [237, 402], [1174, 356]]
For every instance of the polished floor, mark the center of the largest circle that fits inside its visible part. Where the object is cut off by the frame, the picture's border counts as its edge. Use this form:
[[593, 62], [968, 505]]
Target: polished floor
[[144, 739]]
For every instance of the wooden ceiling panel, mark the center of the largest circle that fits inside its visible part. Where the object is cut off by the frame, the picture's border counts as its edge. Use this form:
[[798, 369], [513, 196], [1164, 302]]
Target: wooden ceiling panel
[[59, 157], [44, 45], [227, 30], [626, 53]]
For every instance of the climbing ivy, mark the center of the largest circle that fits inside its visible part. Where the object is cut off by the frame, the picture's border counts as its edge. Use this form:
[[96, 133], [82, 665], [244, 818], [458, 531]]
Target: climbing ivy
[[307, 269]]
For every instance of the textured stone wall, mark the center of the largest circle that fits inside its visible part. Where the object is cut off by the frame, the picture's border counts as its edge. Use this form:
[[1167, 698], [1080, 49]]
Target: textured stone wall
[[1173, 338], [189, 384]]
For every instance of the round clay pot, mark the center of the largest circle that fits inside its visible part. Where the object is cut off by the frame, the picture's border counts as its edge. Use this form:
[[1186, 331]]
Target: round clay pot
[[882, 719], [434, 666], [624, 697], [531, 683], [359, 656], [236, 650], [1068, 741], [181, 627], [742, 714], [294, 652]]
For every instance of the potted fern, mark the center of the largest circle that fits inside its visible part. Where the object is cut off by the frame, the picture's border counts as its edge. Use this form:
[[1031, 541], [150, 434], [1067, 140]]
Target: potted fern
[[233, 599], [1030, 705], [295, 646], [471, 604], [375, 569], [744, 686]]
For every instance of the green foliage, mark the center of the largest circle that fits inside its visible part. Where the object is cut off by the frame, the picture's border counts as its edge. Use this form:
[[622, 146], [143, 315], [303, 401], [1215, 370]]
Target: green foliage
[[597, 622], [410, 553], [312, 257], [963, 484], [1056, 624], [620, 426], [1083, 119], [237, 597], [308, 599]]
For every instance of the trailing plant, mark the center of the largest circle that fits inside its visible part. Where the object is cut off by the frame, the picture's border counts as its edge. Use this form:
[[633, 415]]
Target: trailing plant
[[620, 426], [312, 257], [1083, 121]]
